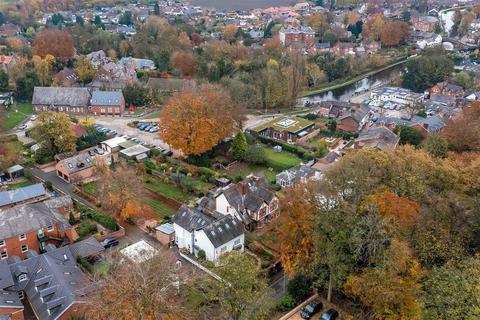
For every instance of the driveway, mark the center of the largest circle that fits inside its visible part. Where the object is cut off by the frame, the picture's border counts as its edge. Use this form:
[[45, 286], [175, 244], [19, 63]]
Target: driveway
[[120, 125]]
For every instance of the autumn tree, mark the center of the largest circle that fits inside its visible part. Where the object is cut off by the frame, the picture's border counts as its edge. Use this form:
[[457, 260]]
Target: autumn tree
[[43, 68], [318, 22], [243, 293], [436, 145], [392, 288], [394, 209], [53, 131], [463, 131], [229, 32], [154, 289], [55, 42], [196, 121], [84, 69], [394, 32], [296, 75], [374, 26], [9, 155], [121, 188], [185, 62]]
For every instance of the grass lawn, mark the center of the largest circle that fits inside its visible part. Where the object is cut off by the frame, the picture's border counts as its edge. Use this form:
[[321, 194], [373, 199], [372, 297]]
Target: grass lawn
[[13, 118], [244, 169], [18, 185], [102, 268], [281, 160], [168, 190], [90, 187], [159, 208], [153, 115]]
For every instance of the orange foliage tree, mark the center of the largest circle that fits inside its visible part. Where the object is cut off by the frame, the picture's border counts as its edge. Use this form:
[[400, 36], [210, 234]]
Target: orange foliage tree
[[374, 26], [297, 229], [392, 289], [230, 32], [55, 42], [463, 131], [185, 62], [393, 208], [394, 32], [196, 121]]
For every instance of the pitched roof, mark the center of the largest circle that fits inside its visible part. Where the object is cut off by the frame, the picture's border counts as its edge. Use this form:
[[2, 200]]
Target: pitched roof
[[29, 217], [77, 163], [60, 96], [190, 219], [106, 98], [21, 194], [223, 230], [297, 173], [290, 124], [86, 248], [378, 137], [58, 202]]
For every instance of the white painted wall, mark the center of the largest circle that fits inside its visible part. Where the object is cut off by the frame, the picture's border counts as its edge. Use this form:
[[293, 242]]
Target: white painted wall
[[212, 253], [183, 238], [222, 206]]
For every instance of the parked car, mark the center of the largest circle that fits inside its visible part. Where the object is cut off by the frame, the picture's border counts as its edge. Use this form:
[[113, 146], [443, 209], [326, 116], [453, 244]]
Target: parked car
[[22, 127], [154, 129], [147, 128], [126, 137], [167, 153], [99, 151], [331, 314], [110, 242], [310, 309], [34, 117], [142, 126]]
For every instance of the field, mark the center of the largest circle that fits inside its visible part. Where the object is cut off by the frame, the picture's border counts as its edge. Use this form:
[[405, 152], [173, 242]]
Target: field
[[243, 4], [13, 118], [168, 190]]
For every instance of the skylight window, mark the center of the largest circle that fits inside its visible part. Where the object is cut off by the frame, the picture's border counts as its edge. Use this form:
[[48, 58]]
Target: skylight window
[[286, 123]]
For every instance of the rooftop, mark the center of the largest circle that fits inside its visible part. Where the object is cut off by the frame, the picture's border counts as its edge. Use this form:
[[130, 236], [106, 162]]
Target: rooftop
[[285, 123], [21, 194]]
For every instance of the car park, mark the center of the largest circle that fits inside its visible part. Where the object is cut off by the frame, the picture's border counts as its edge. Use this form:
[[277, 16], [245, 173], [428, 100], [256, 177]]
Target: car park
[[330, 314], [310, 309]]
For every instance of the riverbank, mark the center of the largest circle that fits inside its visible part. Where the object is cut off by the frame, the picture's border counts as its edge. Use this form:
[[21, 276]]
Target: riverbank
[[349, 81]]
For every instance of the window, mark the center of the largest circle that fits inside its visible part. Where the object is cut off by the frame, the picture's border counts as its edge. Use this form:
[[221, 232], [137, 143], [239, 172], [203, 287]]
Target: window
[[21, 295], [237, 242], [22, 277], [2, 243], [49, 228], [4, 255], [22, 236], [223, 249], [24, 248]]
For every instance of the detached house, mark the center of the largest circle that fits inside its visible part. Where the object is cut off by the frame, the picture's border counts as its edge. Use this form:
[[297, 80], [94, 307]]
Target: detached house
[[60, 99], [298, 174], [380, 138], [75, 168], [447, 89], [250, 201], [288, 129], [214, 234]]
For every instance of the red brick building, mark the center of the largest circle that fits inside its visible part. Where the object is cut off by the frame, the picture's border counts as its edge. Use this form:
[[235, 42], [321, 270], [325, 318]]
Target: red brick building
[[447, 89], [302, 37], [107, 103]]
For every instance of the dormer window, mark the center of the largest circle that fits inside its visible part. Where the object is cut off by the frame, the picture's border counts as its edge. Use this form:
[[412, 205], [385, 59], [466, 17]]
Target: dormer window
[[24, 248], [4, 255], [49, 228], [22, 236], [2, 243], [22, 277]]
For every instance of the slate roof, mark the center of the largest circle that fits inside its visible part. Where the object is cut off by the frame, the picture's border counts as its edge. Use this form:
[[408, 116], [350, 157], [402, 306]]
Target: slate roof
[[10, 299], [54, 282], [77, 163], [106, 98], [29, 217], [379, 137], [86, 248], [22, 194], [432, 124], [190, 219], [61, 96], [223, 230], [6, 280], [297, 173], [58, 202]]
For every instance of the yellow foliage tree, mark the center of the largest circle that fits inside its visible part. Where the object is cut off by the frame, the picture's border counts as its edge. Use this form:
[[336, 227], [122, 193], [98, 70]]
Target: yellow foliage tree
[[194, 122], [54, 132]]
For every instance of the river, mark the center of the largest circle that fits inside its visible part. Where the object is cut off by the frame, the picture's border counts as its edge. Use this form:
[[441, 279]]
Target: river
[[361, 86]]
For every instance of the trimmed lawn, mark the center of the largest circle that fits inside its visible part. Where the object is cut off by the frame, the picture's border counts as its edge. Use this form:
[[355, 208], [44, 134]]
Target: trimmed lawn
[[18, 185], [13, 118], [90, 187], [244, 169], [159, 208], [281, 160], [102, 268], [168, 190]]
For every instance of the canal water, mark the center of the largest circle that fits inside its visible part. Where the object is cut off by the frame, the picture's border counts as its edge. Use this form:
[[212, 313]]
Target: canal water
[[361, 86]]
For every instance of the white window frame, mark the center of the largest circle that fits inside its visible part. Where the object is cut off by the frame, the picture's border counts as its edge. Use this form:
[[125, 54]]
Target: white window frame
[[22, 277], [26, 248], [4, 257], [50, 228], [21, 295], [22, 236], [2, 243]]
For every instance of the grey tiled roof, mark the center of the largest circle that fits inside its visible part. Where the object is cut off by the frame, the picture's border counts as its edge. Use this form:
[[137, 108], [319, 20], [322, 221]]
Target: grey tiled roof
[[58, 202], [60, 96], [10, 299], [86, 248], [21, 194], [77, 163], [190, 219], [379, 137], [106, 98], [29, 217], [223, 230]]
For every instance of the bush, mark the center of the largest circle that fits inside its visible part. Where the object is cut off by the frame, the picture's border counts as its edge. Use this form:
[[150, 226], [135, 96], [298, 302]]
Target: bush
[[187, 184], [48, 184], [155, 152], [256, 155], [299, 151], [202, 160], [85, 264], [149, 164], [86, 228], [202, 255], [105, 220], [71, 219], [299, 288], [276, 187], [207, 173], [286, 303]]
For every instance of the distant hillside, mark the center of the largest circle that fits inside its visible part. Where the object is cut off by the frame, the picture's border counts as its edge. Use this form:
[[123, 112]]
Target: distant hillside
[[242, 4]]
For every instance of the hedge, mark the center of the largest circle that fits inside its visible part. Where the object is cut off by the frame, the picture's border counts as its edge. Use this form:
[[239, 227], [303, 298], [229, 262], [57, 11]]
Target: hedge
[[301, 152], [85, 264], [103, 219], [86, 228]]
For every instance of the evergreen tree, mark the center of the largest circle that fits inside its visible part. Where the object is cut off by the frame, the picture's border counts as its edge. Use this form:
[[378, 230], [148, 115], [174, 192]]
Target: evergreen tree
[[239, 146], [156, 9]]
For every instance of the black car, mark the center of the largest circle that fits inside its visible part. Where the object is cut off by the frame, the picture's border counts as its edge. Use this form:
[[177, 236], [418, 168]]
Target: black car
[[331, 314], [167, 153], [110, 242], [310, 309]]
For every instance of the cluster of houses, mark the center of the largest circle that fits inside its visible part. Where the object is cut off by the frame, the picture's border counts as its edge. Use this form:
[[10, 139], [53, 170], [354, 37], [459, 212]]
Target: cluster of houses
[[38, 256]]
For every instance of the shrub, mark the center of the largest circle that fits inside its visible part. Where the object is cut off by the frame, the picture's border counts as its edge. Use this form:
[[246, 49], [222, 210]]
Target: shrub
[[256, 155], [48, 185], [286, 303], [207, 172], [187, 184], [149, 164], [85, 264], [71, 219], [202, 255], [299, 288], [86, 228], [105, 220], [155, 152], [276, 187]]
